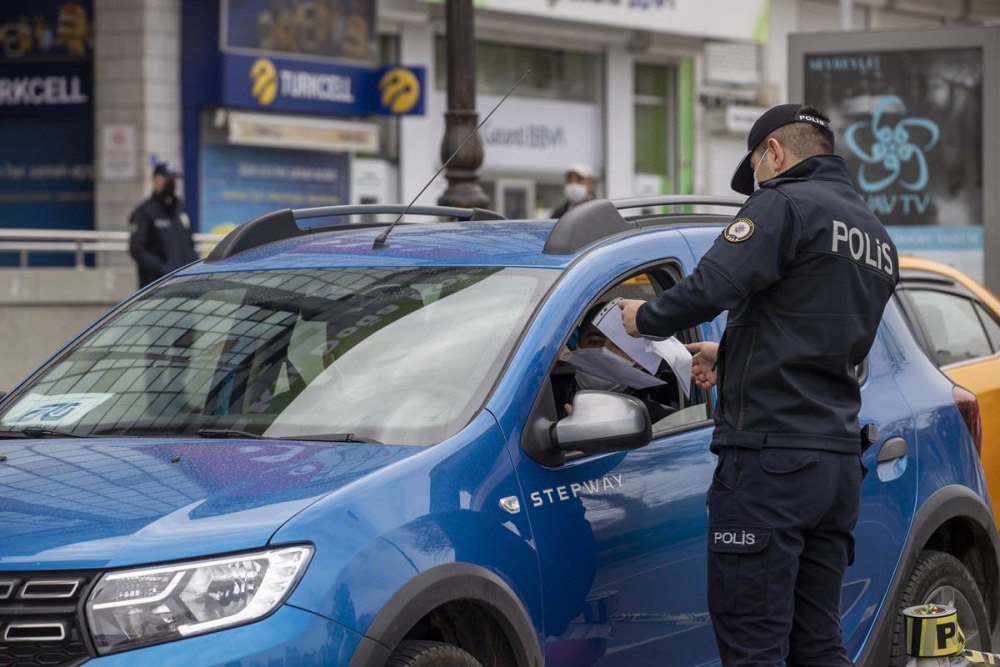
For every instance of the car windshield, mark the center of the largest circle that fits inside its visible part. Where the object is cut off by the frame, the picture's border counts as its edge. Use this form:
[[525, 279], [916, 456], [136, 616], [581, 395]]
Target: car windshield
[[395, 355]]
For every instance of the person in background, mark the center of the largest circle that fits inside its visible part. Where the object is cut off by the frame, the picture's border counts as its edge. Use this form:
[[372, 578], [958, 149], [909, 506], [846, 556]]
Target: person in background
[[160, 238], [579, 188]]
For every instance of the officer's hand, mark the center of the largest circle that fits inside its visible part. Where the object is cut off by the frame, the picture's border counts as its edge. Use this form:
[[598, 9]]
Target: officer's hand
[[705, 356], [629, 309]]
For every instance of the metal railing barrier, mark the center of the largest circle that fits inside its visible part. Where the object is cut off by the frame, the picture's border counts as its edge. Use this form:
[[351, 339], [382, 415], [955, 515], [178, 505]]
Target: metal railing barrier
[[79, 243]]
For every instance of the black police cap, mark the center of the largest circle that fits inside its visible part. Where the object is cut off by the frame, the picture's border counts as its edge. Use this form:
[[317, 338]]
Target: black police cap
[[771, 120], [165, 169]]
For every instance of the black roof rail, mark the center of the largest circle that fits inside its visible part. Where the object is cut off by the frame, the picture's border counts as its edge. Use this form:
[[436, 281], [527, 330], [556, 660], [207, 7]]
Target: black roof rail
[[599, 218], [282, 224]]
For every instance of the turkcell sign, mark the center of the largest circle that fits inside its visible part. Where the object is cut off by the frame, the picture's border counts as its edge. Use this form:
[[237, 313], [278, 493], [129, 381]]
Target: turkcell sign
[[45, 89], [36, 90], [326, 89]]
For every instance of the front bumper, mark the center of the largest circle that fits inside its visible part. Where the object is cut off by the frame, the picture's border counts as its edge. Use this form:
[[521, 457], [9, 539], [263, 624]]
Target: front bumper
[[290, 637]]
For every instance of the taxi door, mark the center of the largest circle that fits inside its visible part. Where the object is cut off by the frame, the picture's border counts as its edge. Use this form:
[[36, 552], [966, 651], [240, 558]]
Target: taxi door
[[962, 336]]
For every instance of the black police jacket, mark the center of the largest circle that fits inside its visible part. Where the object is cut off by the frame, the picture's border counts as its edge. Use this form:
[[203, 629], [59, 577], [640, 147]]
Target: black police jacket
[[805, 271], [160, 240]]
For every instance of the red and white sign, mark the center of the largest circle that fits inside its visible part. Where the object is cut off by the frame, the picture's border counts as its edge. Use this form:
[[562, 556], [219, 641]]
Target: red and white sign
[[118, 153]]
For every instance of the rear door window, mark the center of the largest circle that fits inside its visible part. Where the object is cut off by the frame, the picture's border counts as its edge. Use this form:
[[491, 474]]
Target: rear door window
[[952, 326], [991, 325]]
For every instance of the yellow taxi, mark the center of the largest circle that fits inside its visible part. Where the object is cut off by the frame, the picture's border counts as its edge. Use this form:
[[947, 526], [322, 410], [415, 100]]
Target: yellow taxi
[[957, 321]]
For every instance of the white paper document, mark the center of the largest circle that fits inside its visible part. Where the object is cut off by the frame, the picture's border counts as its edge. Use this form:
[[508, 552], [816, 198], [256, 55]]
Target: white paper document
[[609, 322], [594, 362], [677, 357]]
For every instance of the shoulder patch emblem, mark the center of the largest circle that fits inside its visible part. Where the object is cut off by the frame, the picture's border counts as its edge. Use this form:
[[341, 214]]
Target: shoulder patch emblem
[[739, 230]]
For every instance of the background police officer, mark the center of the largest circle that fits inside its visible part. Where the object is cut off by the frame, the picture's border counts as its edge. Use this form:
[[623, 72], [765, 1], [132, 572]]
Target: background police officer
[[160, 230], [805, 271]]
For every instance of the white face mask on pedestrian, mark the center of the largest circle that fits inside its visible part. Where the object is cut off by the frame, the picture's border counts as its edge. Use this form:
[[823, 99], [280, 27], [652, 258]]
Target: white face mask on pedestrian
[[756, 183], [575, 192]]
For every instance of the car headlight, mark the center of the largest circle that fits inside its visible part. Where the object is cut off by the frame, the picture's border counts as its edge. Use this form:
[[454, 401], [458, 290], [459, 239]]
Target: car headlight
[[151, 605]]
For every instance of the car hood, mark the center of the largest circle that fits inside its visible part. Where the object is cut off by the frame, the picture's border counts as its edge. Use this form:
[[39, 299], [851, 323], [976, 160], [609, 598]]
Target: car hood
[[105, 503]]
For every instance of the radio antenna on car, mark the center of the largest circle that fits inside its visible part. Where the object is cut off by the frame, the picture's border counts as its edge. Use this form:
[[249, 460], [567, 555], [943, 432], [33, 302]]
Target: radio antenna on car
[[381, 238]]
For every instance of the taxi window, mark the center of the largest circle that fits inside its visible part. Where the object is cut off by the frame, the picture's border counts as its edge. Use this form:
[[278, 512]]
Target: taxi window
[[952, 325], [992, 326]]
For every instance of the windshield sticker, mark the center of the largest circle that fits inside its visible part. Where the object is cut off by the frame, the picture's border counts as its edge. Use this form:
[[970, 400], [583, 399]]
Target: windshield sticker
[[53, 410]]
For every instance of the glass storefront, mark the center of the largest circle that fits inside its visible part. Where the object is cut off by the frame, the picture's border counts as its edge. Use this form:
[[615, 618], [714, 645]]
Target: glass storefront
[[556, 75], [656, 122], [553, 120]]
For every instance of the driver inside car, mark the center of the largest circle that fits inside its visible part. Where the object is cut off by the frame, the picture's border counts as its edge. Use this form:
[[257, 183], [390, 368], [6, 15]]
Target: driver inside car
[[660, 400]]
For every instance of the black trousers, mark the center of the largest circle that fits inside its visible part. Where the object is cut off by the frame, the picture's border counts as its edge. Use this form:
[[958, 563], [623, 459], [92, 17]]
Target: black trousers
[[780, 537]]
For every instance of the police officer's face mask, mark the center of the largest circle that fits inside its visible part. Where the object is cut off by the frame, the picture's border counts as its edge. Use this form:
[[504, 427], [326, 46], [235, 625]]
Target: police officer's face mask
[[756, 183], [169, 188]]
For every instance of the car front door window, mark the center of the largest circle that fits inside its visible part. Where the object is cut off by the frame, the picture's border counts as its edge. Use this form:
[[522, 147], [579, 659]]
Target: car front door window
[[669, 405]]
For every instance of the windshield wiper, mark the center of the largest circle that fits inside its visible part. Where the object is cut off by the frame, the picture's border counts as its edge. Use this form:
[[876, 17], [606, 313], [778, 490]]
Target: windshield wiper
[[333, 437], [318, 437], [39, 432], [227, 433]]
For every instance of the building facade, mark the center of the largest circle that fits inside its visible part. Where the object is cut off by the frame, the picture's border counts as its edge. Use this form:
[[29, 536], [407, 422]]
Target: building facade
[[655, 96], [616, 86]]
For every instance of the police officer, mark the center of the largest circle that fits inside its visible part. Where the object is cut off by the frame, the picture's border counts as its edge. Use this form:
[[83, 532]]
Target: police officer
[[160, 230], [805, 271]]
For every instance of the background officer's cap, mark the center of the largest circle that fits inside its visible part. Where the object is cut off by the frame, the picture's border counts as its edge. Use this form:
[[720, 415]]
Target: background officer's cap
[[771, 120], [166, 169]]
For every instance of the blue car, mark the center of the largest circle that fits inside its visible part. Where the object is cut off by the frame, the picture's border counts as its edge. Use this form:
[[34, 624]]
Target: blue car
[[305, 451]]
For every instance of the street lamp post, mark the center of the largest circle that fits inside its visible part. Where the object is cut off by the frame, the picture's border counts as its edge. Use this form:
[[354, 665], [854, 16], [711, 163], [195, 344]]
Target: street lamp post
[[461, 118]]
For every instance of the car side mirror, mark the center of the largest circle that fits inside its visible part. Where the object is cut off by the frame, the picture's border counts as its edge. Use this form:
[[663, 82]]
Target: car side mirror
[[601, 422]]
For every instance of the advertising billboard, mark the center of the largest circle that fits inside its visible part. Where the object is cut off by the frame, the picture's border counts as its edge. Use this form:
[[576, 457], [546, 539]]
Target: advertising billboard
[[330, 29], [907, 112], [46, 119], [909, 125], [242, 182], [739, 20], [321, 88]]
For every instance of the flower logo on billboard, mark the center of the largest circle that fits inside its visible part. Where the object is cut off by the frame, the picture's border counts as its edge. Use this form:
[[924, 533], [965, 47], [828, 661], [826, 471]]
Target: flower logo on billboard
[[893, 146]]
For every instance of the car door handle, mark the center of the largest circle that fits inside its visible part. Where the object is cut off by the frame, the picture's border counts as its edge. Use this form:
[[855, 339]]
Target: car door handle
[[892, 449]]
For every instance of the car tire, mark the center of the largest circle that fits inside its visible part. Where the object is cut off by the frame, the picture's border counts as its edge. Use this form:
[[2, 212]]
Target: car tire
[[412, 653], [935, 577]]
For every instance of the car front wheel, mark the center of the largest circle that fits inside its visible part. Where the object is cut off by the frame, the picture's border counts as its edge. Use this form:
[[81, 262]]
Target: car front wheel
[[430, 654], [940, 578]]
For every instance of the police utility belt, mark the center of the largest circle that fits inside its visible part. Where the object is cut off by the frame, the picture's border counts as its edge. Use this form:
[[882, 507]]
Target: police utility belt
[[748, 440]]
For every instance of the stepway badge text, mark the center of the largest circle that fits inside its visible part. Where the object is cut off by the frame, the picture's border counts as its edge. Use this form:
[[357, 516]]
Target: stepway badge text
[[564, 493]]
